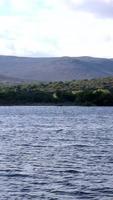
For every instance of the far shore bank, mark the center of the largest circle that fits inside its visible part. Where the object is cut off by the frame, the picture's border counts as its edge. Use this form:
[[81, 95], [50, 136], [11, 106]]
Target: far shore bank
[[54, 105], [95, 92]]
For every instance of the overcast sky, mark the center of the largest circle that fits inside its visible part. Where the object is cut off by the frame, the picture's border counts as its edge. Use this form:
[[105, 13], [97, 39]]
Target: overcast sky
[[56, 27]]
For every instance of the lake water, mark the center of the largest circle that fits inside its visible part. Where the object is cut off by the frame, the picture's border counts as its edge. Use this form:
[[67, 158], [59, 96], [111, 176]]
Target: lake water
[[56, 153]]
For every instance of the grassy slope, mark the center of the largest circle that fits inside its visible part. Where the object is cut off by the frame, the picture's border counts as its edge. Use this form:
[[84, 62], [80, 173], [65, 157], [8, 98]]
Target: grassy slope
[[55, 69]]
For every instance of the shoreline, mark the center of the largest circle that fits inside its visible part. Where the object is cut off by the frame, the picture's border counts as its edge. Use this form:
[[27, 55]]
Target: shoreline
[[54, 105]]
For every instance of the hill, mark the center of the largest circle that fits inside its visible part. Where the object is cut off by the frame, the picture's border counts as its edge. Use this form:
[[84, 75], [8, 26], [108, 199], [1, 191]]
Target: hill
[[17, 69]]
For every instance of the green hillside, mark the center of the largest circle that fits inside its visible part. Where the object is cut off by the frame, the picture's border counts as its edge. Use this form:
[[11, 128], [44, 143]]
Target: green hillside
[[97, 92]]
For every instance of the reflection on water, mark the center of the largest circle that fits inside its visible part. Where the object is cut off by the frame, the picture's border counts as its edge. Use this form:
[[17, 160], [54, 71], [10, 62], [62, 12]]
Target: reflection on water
[[56, 153]]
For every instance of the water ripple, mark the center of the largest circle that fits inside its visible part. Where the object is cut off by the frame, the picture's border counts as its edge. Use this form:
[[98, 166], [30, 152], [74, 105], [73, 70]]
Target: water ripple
[[56, 153]]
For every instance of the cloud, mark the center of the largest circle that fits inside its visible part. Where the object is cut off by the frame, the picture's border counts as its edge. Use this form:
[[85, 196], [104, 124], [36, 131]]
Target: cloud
[[100, 8], [27, 36], [51, 28]]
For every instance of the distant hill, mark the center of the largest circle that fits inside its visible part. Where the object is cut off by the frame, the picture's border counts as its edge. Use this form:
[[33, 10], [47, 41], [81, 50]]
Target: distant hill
[[18, 69]]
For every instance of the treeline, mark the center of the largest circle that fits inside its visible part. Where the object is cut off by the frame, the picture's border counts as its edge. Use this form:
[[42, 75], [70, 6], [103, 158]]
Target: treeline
[[97, 92]]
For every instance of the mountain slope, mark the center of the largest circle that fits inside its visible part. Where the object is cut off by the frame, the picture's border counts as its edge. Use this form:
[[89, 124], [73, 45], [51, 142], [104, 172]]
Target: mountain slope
[[54, 69]]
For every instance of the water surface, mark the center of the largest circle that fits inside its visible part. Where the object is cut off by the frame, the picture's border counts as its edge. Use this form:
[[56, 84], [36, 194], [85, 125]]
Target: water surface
[[56, 153]]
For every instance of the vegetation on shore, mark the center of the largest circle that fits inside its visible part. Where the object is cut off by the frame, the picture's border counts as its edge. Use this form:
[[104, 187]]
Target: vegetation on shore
[[97, 92]]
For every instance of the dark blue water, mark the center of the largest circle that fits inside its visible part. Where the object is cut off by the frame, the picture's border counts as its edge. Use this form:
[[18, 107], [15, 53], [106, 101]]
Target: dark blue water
[[56, 153]]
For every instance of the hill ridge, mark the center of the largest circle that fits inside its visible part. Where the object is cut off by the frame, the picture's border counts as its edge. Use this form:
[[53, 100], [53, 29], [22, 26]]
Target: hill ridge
[[48, 69]]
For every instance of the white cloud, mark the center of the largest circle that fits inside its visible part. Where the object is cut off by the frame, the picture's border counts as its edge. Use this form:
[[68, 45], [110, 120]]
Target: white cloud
[[52, 28], [21, 5]]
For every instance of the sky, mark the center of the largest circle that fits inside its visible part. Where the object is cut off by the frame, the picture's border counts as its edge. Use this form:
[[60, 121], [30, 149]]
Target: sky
[[40, 28]]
